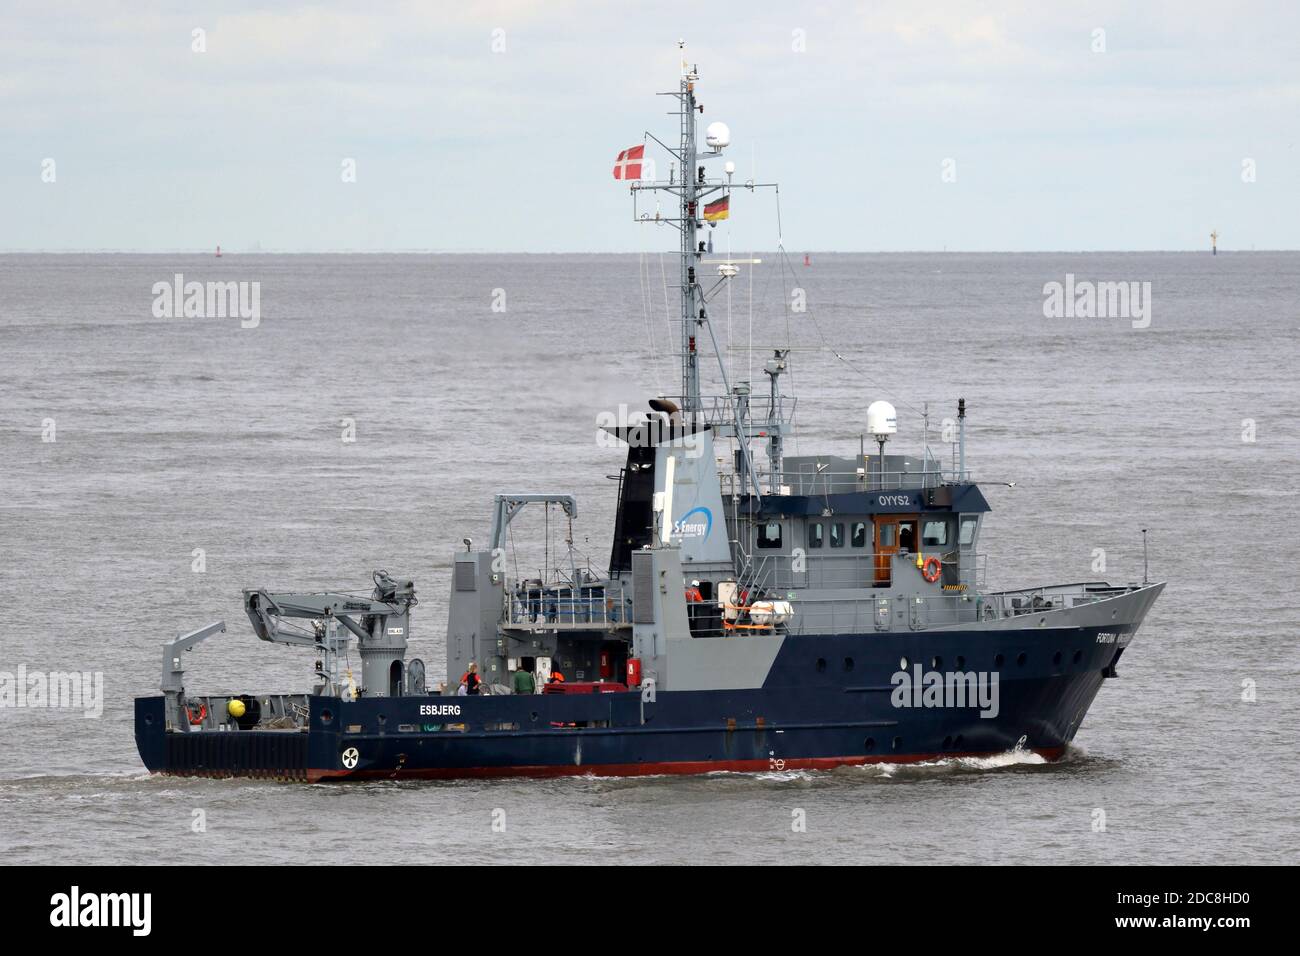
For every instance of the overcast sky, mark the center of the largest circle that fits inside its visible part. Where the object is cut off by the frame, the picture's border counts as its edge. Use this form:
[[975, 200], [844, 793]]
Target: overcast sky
[[458, 147]]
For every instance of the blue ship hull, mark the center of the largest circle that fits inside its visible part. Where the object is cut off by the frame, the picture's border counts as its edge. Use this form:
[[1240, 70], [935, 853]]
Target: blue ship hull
[[829, 700]]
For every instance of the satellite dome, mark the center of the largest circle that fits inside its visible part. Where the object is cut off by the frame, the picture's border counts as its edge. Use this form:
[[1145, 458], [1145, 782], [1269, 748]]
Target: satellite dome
[[882, 419], [717, 135]]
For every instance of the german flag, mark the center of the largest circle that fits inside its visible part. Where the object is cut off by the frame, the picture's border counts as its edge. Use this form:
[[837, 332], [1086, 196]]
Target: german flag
[[721, 209]]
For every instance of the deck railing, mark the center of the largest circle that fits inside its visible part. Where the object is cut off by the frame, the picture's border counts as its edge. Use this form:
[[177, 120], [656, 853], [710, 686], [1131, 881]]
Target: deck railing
[[597, 606], [862, 569], [806, 481]]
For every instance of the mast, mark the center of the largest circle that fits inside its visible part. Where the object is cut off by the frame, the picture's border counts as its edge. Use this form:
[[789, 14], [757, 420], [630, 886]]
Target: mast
[[691, 313], [693, 188]]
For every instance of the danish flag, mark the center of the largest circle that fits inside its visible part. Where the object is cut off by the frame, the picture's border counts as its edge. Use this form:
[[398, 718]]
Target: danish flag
[[628, 164]]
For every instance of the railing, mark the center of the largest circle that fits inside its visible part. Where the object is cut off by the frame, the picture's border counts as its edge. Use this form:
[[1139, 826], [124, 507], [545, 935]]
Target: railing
[[838, 615], [884, 613], [567, 607], [1006, 604], [806, 481], [815, 615], [861, 569], [717, 410], [896, 612], [889, 610], [286, 712], [810, 481]]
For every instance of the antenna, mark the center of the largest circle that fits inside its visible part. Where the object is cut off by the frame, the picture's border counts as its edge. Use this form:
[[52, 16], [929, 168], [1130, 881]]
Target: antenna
[[1145, 578], [882, 421], [961, 439], [692, 189]]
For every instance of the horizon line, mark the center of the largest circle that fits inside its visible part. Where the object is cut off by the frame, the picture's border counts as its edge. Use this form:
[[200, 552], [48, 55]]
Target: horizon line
[[588, 252]]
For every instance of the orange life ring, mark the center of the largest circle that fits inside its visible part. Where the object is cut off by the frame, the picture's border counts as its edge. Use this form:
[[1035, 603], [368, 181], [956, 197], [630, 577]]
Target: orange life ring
[[930, 574], [197, 719]]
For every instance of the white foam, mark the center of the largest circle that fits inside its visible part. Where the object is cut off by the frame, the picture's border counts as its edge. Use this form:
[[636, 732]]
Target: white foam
[[1016, 756]]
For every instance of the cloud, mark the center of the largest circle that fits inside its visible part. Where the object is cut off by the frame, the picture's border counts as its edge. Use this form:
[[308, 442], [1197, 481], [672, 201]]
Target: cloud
[[461, 145]]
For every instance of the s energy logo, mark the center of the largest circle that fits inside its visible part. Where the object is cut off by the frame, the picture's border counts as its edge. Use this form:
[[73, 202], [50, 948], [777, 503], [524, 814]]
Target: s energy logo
[[696, 523]]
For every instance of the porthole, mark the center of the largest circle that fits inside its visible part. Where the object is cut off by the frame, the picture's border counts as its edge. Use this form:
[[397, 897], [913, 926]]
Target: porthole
[[999, 660], [1020, 660], [898, 742], [326, 716], [821, 664], [848, 663], [534, 716], [947, 743], [1056, 659], [902, 663], [961, 662], [1078, 656], [869, 744], [959, 741], [936, 663]]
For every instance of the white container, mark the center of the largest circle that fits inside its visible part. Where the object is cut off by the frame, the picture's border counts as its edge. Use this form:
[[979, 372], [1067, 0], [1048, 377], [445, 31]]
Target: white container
[[770, 613], [727, 600]]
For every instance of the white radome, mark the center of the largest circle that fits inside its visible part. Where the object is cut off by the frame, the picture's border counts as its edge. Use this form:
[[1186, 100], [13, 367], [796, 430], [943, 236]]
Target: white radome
[[717, 135], [882, 419]]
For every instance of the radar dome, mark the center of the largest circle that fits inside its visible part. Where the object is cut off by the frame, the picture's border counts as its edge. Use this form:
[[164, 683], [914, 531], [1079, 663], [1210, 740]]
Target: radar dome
[[717, 135], [882, 419]]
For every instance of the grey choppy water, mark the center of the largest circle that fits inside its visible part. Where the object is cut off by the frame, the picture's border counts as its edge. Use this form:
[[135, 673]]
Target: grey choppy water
[[177, 434]]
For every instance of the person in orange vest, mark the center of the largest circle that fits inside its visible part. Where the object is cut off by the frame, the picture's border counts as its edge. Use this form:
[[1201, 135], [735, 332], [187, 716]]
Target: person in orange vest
[[555, 678], [470, 680], [693, 609]]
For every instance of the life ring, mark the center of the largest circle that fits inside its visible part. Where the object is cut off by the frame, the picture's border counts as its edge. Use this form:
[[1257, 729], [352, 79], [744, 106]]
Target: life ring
[[196, 719], [932, 568]]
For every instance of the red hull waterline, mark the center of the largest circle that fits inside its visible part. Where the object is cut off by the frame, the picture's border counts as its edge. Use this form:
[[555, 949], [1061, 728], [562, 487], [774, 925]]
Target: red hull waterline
[[651, 769]]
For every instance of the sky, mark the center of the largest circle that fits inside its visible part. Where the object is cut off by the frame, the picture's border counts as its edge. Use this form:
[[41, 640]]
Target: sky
[[493, 126]]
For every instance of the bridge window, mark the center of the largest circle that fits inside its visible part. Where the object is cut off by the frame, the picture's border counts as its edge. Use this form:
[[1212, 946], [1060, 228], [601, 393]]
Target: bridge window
[[815, 533], [859, 534], [934, 534], [837, 535], [968, 526], [769, 535]]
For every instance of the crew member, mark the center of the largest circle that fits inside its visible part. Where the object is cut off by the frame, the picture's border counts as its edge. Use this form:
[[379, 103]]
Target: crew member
[[694, 607], [905, 538], [470, 680], [524, 681]]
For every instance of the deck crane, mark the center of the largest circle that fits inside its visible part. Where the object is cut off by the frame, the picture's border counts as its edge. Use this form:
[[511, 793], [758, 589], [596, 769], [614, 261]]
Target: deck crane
[[381, 624]]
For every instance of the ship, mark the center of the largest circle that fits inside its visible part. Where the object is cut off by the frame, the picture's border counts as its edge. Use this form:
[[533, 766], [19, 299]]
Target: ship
[[759, 612]]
